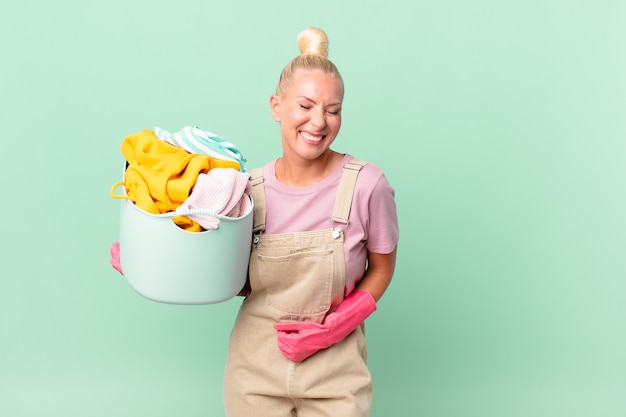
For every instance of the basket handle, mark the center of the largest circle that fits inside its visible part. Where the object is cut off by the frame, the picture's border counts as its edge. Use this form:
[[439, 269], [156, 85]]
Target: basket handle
[[121, 197], [193, 212]]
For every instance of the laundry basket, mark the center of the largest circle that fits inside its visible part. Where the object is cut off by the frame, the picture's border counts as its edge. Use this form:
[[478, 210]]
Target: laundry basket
[[168, 264]]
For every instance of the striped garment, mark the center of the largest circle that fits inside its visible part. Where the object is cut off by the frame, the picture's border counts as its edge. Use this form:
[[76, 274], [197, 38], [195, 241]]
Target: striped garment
[[197, 141]]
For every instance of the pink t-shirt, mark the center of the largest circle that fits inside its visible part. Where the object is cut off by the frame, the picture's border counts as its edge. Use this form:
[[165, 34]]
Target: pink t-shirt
[[373, 224]]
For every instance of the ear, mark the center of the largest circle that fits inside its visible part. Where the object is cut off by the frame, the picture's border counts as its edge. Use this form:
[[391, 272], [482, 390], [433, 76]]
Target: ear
[[275, 107]]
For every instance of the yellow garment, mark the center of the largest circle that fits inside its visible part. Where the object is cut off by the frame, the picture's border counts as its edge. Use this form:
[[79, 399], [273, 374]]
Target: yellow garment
[[159, 176], [187, 224]]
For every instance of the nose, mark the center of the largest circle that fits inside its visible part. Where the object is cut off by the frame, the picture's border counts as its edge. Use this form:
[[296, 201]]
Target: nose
[[318, 119]]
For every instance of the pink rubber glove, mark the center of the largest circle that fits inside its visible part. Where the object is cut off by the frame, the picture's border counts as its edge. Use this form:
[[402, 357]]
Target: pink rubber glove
[[115, 257], [301, 339]]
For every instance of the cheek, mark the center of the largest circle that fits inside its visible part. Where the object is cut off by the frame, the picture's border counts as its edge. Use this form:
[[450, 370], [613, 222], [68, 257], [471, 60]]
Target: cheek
[[335, 124], [294, 118]]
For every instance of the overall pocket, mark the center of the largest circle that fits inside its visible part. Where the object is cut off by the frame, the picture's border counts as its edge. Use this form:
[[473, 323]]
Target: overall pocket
[[298, 284]]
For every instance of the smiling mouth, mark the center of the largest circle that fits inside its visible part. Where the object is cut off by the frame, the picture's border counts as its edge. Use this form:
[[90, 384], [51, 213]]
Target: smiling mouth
[[312, 138]]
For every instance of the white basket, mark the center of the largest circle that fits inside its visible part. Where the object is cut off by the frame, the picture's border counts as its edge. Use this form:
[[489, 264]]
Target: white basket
[[165, 263]]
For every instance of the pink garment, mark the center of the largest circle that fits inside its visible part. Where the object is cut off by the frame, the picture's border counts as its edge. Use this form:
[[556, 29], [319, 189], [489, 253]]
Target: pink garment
[[223, 191], [373, 222]]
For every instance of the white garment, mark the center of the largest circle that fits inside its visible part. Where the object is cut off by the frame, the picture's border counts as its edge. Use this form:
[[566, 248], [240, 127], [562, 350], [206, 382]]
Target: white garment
[[195, 140]]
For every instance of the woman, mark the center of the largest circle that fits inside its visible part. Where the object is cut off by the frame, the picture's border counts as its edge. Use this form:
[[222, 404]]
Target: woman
[[324, 252]]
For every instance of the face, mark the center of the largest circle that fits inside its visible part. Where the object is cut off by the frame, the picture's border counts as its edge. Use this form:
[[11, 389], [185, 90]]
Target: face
[[309, 113]]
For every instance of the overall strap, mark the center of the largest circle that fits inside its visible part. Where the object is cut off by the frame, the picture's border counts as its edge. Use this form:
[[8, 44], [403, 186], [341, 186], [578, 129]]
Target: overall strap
[[343, 202], [258, 196]]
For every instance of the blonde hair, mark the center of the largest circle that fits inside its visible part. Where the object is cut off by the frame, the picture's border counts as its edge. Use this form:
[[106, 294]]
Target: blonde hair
[[313, 46]]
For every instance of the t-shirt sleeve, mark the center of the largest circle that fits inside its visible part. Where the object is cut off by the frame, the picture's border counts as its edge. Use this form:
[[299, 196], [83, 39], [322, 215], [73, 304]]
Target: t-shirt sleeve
[[383, 230]]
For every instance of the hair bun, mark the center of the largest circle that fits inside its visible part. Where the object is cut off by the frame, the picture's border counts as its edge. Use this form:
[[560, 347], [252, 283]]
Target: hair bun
[[313, 41]]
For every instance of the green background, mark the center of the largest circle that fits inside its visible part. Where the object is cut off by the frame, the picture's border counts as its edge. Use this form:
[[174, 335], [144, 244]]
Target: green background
[[501, 125]]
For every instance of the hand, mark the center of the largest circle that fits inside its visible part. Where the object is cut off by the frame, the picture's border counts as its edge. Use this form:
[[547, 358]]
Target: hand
[[299, 340], [115, 257]]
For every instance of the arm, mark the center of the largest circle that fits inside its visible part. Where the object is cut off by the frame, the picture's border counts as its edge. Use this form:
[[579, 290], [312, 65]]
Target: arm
[[380, 268]]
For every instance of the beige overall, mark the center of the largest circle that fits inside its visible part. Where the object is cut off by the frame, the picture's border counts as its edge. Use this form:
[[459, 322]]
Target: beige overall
[[296, 276]]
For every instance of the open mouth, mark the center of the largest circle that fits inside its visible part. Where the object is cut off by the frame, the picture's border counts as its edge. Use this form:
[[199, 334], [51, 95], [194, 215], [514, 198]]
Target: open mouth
[[311, 138]]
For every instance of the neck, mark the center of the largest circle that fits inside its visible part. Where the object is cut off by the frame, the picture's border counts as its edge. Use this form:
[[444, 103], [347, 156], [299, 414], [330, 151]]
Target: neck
[[304, 172]]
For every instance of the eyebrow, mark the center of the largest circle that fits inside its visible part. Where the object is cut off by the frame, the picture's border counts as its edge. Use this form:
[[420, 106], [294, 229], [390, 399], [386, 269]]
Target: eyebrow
[[313, 101]]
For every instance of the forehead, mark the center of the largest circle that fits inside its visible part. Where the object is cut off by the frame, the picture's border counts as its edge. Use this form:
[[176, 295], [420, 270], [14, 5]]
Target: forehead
[[316, 85]]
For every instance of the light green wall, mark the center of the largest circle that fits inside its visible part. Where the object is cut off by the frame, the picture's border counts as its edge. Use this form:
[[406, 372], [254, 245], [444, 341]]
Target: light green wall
[[501, 124]]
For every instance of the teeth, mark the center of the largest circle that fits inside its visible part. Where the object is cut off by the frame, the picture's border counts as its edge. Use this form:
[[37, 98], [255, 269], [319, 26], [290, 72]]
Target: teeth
[[308, 136]]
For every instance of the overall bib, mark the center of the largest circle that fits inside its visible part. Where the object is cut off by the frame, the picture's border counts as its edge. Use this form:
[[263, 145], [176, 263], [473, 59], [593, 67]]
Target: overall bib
[[296, 277]]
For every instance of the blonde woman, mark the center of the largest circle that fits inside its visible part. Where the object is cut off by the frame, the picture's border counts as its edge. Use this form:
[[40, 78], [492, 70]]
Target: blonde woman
[[324, 252]]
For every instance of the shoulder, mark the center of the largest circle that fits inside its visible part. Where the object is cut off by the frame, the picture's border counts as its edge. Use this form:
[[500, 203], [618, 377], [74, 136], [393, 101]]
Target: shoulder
[[372, 171], [371, 177], [369, 168]]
